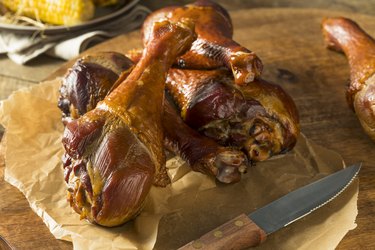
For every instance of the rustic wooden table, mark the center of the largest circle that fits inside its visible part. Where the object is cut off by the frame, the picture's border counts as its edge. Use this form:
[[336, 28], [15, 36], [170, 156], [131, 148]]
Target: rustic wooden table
[[325, 119]]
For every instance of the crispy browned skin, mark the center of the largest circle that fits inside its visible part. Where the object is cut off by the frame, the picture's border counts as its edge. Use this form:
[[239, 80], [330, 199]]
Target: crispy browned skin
[[214, 47], [344, 35], [259, 118], [82, 84], [114, 153], [202, 153], [88, 81]]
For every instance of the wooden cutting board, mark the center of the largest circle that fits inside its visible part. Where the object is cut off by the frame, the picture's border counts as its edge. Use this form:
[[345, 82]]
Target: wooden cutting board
[[290, 44]]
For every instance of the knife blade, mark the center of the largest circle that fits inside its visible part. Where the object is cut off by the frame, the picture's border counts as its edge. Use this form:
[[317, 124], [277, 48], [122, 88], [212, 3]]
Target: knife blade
[[250, 230]]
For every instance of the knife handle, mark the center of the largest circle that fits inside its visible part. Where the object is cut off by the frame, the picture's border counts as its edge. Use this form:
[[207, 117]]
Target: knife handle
[[239, 233]]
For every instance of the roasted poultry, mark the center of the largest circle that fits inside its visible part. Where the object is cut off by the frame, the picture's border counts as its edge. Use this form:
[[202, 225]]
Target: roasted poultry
[[214, 46], [116, 114], [92, 77], [89, 80], [259, 118], [114, 153], [202, 153], [344, 35]]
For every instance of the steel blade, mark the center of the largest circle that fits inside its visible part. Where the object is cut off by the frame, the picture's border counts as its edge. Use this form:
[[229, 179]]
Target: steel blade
[[303, 201]]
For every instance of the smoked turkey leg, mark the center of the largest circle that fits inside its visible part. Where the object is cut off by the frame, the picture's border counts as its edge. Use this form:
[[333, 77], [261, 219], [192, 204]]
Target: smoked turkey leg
[[344, 35], [114, 153], [260, 118], [214, 46]]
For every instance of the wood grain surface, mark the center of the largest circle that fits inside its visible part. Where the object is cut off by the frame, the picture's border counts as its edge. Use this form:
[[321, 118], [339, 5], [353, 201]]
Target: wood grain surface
[[290, 44]]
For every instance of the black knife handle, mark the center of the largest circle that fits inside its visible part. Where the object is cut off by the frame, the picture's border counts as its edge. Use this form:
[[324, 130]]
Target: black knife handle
[[239, 233]]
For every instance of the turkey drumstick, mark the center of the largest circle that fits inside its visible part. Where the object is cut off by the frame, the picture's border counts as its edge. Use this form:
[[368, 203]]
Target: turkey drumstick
[[114, 153], [202, 153], [344, 35], [260, 118], [92, 77], [214, 46]]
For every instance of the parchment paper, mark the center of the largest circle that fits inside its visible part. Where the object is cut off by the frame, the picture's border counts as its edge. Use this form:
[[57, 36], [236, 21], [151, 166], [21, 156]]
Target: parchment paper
[[191, 206]]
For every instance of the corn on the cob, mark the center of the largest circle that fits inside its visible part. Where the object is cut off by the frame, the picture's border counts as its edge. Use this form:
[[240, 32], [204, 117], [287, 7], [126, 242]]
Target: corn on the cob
[[58, 12]]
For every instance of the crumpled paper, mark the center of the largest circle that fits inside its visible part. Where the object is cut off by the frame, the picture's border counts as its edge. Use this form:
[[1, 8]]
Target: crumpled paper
[[192, 205], [21, 48]]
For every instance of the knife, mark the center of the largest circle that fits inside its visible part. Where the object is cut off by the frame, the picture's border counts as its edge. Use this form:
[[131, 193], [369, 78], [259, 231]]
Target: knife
[[250, 230]]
